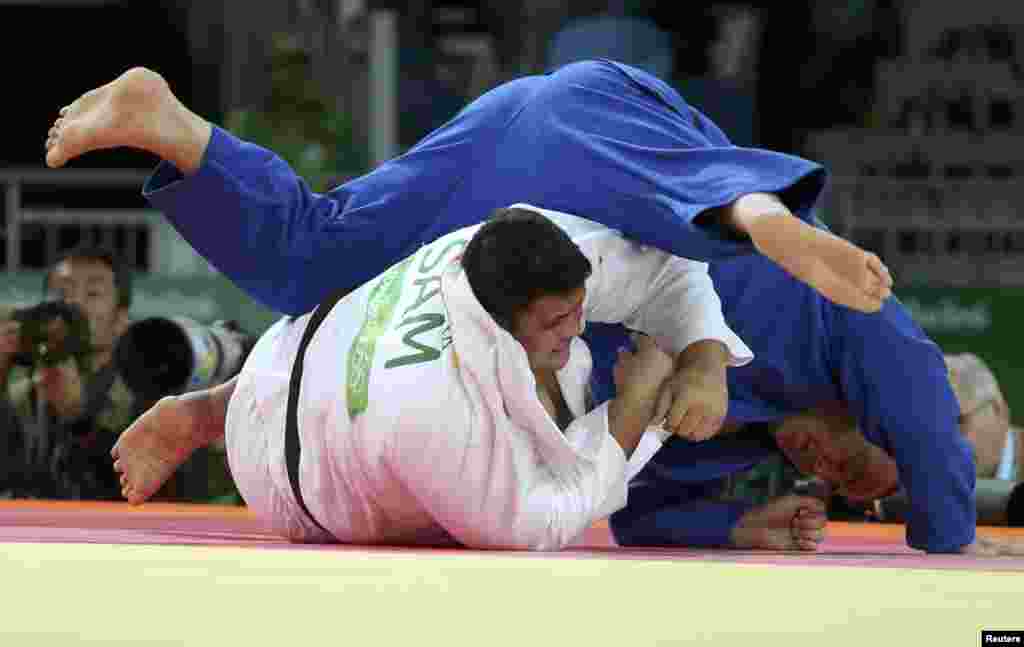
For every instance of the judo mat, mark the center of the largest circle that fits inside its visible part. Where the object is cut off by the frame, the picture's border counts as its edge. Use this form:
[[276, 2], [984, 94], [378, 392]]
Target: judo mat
[[166, 574]]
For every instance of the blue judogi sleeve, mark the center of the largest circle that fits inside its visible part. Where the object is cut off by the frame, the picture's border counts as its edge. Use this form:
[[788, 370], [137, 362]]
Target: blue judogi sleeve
[[673, 501], [896, 385], [287, 246], [597, 139], [674, 514]]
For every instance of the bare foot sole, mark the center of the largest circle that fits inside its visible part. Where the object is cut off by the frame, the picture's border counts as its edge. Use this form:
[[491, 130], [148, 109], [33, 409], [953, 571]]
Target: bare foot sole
[[149, 452], [124, 112], [839, 270]]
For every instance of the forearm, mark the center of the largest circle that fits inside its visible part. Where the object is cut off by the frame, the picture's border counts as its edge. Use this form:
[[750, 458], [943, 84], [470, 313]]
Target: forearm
[[896, 384], [628, 418], [939, 478], [936, 466], [696, 523]]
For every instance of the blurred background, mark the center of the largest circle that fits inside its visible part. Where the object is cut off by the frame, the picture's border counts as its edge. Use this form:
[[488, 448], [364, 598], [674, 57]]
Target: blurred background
[[916, 107]]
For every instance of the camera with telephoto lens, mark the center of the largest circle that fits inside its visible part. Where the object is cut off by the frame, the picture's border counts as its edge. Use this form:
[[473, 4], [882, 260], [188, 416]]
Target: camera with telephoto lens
[[50, 333], [162, 356]]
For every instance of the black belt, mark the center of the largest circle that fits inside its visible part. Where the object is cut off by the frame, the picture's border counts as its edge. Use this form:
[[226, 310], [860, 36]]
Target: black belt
[[292, 451]]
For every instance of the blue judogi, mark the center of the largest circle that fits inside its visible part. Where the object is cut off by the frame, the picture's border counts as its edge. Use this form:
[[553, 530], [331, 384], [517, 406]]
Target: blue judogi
[[598, 139], [616, 145], [807, 352]]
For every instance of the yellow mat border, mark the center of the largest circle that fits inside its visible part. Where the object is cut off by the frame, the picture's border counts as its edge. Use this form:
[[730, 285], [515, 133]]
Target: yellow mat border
[[100, 594]]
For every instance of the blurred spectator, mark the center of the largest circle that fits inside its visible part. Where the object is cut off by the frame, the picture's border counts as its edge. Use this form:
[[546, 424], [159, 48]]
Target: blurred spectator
[[64, 401], [63, 410], [998, 451], [985, 418]]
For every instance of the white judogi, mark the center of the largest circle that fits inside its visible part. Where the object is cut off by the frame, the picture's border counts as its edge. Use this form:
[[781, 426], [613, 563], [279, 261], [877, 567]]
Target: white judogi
[[418, 417]]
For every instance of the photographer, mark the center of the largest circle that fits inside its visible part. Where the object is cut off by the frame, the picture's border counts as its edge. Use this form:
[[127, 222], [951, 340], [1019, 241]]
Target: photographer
[[63, 403]]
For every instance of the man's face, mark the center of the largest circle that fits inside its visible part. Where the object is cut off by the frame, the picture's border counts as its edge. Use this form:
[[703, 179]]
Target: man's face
[[546, 327], [89, 285], [856, 469]]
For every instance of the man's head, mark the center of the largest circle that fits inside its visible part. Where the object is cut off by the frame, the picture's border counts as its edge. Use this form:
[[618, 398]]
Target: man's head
[[827, 444], [529, 275], [92, 279], [984, 414]]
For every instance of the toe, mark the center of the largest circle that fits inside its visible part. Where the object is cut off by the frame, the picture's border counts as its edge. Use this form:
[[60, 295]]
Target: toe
[[869, 304], [879, 269], [813, 536], [886, 276]]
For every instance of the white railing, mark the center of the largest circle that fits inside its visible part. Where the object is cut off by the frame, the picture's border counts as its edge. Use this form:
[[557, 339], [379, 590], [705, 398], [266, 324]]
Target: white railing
[[14, 180]]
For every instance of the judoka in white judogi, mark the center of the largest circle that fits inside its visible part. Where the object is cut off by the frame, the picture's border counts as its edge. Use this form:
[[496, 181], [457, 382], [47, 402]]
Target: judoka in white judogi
[[419, 419]]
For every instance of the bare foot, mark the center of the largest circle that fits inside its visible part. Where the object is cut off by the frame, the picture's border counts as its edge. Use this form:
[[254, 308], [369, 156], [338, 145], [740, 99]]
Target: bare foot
[[160, 441], [136, 110], [789, 522], [839, 270]]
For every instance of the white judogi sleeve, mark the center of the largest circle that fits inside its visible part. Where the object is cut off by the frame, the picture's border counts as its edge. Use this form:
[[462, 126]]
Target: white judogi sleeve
[[672, 299]]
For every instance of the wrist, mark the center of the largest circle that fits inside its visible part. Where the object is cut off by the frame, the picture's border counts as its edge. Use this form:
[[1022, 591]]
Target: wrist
[[745, 538], [627, 421], [706, 356], [634, 404]]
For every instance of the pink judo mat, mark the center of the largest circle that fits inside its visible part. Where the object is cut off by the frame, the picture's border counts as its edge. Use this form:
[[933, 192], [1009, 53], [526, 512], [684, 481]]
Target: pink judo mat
[[848, 544]]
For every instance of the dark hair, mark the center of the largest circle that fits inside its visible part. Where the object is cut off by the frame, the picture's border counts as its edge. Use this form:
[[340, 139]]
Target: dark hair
[[517, 256], [122, 275]]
